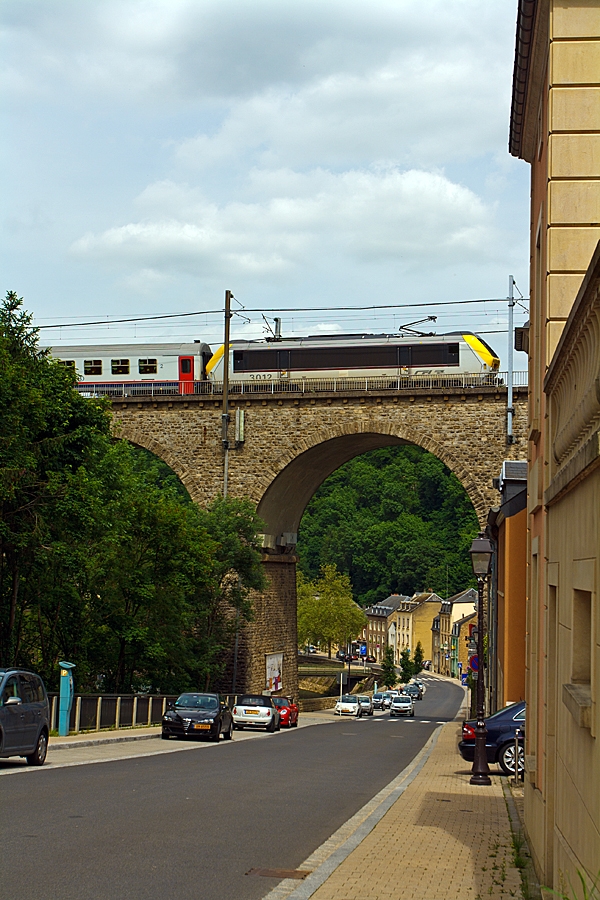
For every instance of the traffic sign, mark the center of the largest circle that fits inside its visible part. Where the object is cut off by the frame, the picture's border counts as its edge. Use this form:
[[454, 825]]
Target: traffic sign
[[363, 649], [342, 678], [474, 663]]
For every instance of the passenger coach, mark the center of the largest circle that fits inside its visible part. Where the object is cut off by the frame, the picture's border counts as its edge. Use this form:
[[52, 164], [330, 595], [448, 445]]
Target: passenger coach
[[172, 367]]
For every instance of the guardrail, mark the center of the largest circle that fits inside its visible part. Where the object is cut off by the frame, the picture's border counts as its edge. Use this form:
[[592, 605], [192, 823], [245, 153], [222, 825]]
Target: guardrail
[[95, 712], [304, 386]]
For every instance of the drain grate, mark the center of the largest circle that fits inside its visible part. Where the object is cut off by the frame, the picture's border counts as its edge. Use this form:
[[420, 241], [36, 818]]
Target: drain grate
[[281, 873]]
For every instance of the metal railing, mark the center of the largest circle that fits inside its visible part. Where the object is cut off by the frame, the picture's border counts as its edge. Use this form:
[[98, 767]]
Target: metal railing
[[95, 712], [305, 385]]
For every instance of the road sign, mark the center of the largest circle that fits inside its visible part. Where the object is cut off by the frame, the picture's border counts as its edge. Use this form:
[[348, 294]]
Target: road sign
[[474, 663], [464, 679], [363, 649], [342, 678]]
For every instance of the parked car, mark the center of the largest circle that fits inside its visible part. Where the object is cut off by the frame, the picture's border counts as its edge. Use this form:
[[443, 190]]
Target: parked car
[[366, 704], [500, 741], [198, 716], [288, 711], [378, 700], [387, 699], [256, 711], [341, 655], [402, 706], [371, 659], [348, 705], [413, 690], [24, 716]]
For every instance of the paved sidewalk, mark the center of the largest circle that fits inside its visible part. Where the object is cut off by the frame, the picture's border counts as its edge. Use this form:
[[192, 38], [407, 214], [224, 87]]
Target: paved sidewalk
[[442, 839]]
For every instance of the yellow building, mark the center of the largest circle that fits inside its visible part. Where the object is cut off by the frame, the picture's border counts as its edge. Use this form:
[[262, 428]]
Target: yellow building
[[555, 126]]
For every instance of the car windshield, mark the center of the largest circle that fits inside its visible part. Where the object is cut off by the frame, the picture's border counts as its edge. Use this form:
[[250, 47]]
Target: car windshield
[[281, 701], [197, 701], [508, 710], [400, 699], [364, 699], [348, 699], [250, 700], [377, 696]]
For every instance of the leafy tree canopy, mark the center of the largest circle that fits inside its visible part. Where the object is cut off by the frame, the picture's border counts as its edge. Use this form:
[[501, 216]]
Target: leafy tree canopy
[[327, 614], [388, 669], [103, 558], [394, 519]]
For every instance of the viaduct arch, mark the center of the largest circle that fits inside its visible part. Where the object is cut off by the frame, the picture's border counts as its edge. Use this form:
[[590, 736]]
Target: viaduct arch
[[292, 443]]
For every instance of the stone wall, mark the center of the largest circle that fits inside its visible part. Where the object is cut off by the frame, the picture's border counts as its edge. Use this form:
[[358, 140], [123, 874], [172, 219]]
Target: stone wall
[[292, 443]]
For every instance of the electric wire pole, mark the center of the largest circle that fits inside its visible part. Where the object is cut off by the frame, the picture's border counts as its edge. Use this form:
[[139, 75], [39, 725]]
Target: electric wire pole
[[225, 413]]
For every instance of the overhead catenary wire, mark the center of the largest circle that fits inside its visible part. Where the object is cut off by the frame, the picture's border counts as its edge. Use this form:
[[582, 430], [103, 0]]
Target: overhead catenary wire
[[279, 309]]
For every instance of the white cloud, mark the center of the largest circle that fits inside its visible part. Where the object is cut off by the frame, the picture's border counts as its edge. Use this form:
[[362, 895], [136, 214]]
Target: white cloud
[[411, 217]]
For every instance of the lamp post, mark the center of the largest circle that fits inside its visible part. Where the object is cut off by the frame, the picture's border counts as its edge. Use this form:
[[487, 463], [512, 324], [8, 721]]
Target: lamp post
[[481, 558]]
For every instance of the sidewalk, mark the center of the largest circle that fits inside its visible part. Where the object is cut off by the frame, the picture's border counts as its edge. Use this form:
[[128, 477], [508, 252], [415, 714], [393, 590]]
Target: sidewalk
[[91, 738], [442, 839]]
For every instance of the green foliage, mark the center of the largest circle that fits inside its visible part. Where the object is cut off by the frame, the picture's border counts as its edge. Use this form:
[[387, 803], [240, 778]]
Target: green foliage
[[406, 666], [394, 519], [103, 558], [327, 613], [388, 669], [418, 657]]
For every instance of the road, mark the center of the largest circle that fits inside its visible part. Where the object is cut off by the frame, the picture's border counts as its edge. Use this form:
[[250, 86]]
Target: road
[[191, 824]]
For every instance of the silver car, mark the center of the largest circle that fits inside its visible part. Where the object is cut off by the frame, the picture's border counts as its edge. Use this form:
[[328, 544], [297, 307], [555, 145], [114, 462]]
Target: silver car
[[348, 705], [255, 711], [402, 706], [366, 704]]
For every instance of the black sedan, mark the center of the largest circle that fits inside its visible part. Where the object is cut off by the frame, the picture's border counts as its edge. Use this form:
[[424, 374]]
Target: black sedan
[[413, 691], [500, 741], [198, 715]]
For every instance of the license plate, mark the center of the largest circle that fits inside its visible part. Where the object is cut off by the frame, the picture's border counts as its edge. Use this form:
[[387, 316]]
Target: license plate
[[202, 727], [251, 712]]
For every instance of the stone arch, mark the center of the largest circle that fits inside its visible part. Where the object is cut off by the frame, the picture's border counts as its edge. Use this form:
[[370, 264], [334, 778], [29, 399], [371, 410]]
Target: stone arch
[[284, 489], [140, 438]]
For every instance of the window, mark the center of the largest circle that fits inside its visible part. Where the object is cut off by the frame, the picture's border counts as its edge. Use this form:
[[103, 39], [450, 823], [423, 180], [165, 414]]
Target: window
[[10, 689], [67, 363], [582, 637], [30, 688], [92, 367], [119, 367], [147, 366], [185, 366]]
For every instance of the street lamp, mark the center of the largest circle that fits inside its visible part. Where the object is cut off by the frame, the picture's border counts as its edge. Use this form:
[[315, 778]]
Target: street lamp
[[481, 558]]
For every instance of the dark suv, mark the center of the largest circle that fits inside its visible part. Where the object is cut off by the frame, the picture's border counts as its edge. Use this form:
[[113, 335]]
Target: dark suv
[[24, 716]]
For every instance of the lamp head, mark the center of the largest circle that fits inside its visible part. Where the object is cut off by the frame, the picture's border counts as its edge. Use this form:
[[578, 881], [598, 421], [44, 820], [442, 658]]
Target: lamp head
[[481, 555]]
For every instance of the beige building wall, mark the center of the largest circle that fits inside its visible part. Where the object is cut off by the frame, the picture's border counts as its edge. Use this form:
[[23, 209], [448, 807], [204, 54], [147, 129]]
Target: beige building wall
[[555, 126]]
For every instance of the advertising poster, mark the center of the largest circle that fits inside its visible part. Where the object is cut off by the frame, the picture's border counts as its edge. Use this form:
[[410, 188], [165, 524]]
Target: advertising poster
[[274, 667]]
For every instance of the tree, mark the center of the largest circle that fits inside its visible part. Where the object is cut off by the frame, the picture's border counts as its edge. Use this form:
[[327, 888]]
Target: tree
[[418, 659], [388, 668], [104, 560], [326, 611], [406, 666], [391, 519]]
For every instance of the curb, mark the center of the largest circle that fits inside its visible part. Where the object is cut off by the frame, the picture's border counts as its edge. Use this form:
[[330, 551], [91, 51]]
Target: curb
[[93, 742]]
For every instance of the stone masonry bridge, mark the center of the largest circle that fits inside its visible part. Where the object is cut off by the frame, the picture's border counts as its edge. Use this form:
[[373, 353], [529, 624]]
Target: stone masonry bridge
[[293, 441]]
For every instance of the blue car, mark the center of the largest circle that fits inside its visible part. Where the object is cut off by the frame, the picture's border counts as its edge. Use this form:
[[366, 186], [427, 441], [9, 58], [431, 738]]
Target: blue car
[[500, 741]]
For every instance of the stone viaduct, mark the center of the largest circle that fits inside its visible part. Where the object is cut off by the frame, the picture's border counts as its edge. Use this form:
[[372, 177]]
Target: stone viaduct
[[292, 443]]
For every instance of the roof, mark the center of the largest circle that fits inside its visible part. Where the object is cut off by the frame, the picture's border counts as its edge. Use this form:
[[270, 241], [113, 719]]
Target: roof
[[426, 597], [523, 48], [467, 596], [460, 622]]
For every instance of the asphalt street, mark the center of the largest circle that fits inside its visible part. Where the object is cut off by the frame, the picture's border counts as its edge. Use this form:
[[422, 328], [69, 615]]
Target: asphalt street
[[192, 824]]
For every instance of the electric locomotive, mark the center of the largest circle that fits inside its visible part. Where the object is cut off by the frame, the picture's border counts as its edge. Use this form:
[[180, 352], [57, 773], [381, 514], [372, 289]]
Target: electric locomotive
[[355, 356]]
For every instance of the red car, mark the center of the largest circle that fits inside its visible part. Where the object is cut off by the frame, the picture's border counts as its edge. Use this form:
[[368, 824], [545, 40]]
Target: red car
[[288, 711]]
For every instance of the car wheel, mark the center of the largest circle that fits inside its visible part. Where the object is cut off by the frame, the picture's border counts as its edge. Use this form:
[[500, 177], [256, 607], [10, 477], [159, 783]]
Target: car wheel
[[38, 757], [215, 737], [238, 727], [227, 735], [278, 726], [165, 736], [506, 758], [294, 724], [271, 726]]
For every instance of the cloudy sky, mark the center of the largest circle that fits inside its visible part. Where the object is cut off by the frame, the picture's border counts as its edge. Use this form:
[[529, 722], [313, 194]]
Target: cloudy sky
[[302, 153]]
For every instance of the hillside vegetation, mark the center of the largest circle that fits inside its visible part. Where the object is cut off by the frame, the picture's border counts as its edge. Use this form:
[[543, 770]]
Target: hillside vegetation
[[394, 519]]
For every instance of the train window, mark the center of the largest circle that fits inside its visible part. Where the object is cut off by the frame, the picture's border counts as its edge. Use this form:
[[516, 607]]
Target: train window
[[254, 360], [185, 366], [92, 367], [147, 366], [119, 367], [67, 363], [428, 354], [404, 357], [451, 354], [344, 357]]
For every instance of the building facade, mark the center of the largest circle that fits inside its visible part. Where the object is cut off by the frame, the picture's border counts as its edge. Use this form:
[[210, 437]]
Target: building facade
[[555, 127]]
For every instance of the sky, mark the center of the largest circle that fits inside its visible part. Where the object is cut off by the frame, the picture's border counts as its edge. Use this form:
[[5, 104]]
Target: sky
[[308, 155]]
